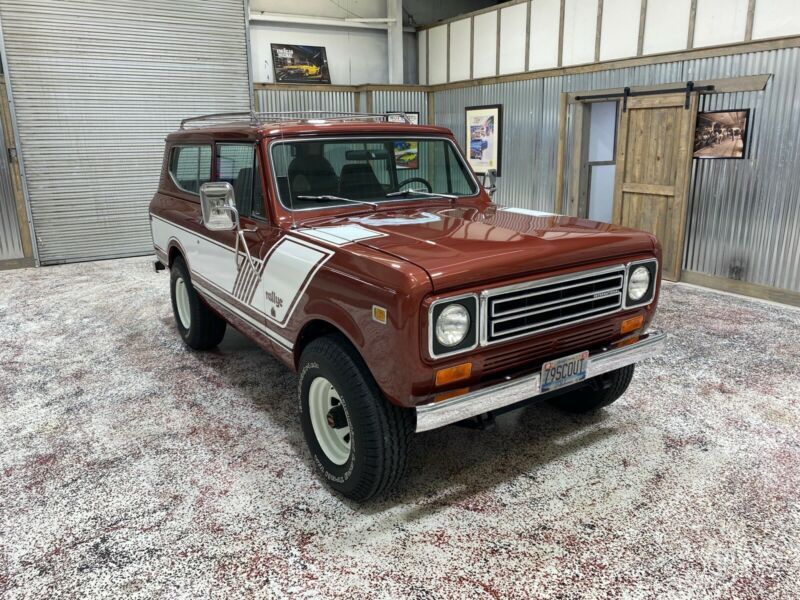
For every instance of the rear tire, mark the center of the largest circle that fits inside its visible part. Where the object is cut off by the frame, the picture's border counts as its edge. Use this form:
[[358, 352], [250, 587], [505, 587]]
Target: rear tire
[[600, 391], [359, 441], [199, 326]]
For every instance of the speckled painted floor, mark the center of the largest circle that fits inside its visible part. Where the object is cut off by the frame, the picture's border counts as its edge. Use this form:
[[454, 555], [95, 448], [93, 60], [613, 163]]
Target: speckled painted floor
[[130, 467]]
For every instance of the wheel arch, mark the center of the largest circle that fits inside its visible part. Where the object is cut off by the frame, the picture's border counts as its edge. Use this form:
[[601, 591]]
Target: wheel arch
[[316, 328], [175, 249]]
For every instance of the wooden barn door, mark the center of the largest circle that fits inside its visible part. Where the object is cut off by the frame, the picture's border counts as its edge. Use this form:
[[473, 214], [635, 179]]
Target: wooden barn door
[[654, 159]]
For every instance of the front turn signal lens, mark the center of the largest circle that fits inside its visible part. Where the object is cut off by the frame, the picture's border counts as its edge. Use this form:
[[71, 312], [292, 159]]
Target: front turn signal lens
[[631, 324], [627, 342], [451, 374]]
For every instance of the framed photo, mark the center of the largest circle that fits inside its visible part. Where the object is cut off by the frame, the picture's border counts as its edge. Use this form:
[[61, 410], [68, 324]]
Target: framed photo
[[406, 153], [484, 137], [721, 134], [396, 116], [300, 64]]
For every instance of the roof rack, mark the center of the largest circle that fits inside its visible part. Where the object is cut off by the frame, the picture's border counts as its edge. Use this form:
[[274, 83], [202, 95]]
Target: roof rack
[[303, 116]]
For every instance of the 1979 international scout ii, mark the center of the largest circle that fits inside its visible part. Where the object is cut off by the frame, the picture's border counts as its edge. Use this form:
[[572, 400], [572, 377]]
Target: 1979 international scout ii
[[405, 299]]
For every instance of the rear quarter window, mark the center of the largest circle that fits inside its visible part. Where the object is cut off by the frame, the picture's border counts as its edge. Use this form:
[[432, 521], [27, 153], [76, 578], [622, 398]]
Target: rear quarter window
[[190, 167]]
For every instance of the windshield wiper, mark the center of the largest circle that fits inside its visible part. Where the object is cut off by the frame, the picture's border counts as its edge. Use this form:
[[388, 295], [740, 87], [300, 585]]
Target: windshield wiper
[[420, 193], [337, 199]]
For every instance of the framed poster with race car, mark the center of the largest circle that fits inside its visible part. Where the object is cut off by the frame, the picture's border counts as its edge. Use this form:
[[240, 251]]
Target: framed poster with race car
[[300, 64], [406, 153], [484, 137]]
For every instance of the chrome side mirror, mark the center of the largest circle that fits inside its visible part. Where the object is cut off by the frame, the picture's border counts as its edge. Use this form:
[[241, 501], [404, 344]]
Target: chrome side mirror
[[491, 176], [219, 206]]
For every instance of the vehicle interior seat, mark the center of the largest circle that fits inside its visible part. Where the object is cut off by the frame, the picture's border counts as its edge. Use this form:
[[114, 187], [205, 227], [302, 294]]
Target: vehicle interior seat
[[359, 182], [243, 190], [311, 174]]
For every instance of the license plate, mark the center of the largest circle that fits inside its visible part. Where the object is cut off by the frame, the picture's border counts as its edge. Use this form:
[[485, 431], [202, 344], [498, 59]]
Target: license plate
[[564, 371]]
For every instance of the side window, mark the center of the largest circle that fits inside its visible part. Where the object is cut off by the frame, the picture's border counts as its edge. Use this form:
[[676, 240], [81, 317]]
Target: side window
[[237, 164], [190, 167]]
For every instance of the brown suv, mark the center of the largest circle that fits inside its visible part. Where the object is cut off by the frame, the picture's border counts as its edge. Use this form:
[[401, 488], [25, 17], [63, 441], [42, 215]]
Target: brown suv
[[404, 297]]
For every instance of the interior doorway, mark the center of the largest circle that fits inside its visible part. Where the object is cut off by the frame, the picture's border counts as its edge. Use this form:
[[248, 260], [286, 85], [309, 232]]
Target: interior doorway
[[632, 166]]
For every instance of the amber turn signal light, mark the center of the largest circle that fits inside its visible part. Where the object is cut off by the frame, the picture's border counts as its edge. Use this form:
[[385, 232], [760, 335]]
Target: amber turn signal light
[[627, 341], [631, 324], [451, 374]]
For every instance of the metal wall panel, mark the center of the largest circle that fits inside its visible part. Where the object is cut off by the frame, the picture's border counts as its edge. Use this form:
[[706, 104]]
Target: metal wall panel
[[744, 215], [271, 100], [391, 100], [10, 241], [95, 97], [744, 220]]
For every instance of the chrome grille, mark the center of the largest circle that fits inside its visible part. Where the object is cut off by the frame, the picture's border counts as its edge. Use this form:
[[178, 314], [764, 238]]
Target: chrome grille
[[554, 302]]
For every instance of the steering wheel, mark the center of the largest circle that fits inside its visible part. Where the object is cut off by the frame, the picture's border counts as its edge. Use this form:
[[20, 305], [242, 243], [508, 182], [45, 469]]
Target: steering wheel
[[421, 180]]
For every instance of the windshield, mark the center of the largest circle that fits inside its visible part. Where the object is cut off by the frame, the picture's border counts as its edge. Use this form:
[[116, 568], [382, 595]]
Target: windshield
[[325, 173]]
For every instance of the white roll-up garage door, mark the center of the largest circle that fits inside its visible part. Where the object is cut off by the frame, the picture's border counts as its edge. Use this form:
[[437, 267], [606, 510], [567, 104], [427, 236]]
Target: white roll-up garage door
[[97, 85]]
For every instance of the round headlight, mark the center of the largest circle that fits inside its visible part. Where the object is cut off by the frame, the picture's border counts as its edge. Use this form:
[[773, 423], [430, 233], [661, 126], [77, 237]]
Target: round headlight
[[638, 283], [452, 325]]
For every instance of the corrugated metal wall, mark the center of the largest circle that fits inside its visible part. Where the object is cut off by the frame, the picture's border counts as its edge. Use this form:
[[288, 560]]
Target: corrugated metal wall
[[97, 86], [744, 219], [271, 100], [745, 214], [10, 241], [409, 101]]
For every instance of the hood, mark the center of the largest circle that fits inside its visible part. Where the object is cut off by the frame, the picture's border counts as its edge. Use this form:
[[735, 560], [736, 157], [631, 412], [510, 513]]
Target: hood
[[458, 246]]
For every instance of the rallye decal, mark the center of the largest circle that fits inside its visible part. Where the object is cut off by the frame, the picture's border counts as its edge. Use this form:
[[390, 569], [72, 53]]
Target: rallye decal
[[267, 291], [246, 283], [288, 270]]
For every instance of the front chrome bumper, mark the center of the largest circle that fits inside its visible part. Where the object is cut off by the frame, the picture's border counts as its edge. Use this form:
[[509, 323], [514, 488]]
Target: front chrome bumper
[[499, 395]]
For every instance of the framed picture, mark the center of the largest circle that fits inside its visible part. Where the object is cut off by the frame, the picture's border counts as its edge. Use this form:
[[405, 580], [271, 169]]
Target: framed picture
[[721, 134], [484, 137], [397, 116], [406, 153], [300, 64]]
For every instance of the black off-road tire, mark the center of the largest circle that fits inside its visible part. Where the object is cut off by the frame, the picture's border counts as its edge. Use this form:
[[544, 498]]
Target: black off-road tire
[[380, 432], [206, 329], [600, 391]]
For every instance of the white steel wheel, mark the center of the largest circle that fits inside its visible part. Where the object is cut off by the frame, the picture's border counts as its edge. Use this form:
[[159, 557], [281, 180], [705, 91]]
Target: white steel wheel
[[329, 420], [182, 303]]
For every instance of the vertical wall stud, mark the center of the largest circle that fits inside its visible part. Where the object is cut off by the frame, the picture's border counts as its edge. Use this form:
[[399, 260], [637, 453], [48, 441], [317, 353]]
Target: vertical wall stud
[[751, 11], [427, 57], [447, 54], [692, 17], [598, 30], [471, 46], [642, 22], [561, 35], [497, 49], [528, 37]]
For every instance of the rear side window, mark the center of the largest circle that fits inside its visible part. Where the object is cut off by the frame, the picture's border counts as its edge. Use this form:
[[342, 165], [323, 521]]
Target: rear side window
[[190, 167], [238, 165]]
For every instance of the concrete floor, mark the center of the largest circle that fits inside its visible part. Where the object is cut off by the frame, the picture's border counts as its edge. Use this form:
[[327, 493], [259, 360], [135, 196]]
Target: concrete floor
[[132, 467]]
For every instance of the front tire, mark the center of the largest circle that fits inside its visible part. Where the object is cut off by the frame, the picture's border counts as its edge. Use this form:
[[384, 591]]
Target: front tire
[[599, 392], [359, 442], [199, 326]]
